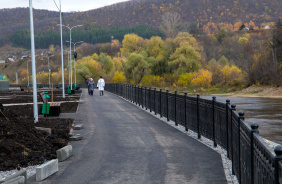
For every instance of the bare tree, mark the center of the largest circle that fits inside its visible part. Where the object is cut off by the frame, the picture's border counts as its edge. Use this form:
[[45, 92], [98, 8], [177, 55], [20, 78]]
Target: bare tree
[[170, 24]]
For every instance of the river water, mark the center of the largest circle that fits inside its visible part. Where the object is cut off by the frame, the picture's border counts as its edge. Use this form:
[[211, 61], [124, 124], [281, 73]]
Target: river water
[[266, 112]]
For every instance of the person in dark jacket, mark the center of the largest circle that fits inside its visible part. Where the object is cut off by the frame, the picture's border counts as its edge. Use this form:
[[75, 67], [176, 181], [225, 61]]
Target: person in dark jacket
[[91, 86]]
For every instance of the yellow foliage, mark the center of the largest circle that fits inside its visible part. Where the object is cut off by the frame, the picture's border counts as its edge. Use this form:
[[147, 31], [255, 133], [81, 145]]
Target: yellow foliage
[[151, 80], [203, 78], [185, 79], [231, 73], [242, 40], [131, 43], [118, 63], [119, 77]]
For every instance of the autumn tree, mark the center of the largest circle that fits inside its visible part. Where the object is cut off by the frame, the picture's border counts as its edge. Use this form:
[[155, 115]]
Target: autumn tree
[[185, 59], [119, 77], [136, 67], [131, 43], [88, 67], [170, 23], [156, 48]]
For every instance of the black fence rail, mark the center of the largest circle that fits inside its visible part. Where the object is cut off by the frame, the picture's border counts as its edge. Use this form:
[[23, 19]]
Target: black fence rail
[[253, 161]]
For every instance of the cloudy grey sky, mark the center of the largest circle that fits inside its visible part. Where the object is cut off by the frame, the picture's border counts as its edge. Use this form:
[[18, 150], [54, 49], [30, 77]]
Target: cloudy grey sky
[[67, 5]]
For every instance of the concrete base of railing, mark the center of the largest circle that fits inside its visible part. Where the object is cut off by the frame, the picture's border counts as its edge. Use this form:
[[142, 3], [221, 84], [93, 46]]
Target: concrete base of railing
[[64, 153], [17, 180], [18, 177], [46, 170]]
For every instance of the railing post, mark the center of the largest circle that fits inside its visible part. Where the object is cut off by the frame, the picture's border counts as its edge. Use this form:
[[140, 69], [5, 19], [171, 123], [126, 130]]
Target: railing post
[[213, 121], [167, 105], [150, 99], [155, 101], [277, 158], [142, 100], [175, 110], [198, 117], [241, 117], [160, 102], [185, 114], [146, 98], [227, 127], [233, 108], [136, 95], [254, 127]]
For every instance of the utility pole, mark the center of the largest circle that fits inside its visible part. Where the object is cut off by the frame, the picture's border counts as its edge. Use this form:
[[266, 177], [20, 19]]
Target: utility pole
[[34, 87], [62, 54]]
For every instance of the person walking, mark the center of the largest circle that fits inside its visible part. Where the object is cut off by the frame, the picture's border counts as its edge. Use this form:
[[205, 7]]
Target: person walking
[[101, 85], [91, 85], [87, 82]]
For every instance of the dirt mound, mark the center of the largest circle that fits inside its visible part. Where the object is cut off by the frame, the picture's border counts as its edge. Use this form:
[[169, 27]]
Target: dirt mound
[[21, 144]]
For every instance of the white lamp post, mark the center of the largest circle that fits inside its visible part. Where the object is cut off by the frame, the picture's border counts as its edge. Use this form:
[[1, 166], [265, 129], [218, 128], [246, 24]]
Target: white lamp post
[[70, 28], [49, 69], [74, 60], [34, 87], [62, 51]]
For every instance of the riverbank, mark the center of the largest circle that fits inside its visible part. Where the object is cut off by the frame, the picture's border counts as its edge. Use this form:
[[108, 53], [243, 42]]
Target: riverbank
[[256, 91]]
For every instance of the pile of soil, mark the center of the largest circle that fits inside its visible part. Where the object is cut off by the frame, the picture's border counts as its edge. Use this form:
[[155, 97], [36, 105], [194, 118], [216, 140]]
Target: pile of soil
[[21, 144]]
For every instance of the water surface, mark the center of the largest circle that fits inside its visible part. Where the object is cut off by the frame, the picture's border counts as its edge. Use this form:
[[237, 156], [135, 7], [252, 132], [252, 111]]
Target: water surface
[[266, 112]]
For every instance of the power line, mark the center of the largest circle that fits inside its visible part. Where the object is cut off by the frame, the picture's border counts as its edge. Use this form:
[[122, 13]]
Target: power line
[[56, 5]]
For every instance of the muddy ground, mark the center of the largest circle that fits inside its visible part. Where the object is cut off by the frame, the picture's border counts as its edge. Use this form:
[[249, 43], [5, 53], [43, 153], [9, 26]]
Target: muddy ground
[[21, 144]]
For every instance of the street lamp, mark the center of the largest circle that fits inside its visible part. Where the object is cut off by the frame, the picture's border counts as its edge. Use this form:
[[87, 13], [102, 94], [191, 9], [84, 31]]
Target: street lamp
[[27, 73], [70, 28], [74, 60], [49, 69]]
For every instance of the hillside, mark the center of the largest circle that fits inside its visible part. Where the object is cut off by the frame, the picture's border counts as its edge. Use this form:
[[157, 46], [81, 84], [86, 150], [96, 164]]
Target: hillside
[[146, 12]]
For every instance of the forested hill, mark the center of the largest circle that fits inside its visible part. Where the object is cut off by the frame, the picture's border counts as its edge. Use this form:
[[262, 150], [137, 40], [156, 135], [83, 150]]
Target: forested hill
[[148, 12]]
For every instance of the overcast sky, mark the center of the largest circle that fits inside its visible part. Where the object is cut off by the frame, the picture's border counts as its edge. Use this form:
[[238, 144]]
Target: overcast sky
[[67, 5]]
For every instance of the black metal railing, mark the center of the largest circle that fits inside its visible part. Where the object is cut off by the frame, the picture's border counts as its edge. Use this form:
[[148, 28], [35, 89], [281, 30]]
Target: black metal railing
[[253, 161]]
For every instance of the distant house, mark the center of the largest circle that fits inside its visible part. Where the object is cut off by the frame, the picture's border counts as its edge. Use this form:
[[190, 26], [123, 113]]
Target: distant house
[[2, 61], [11, 59], [24, 56], [266, 27], [246, 29]]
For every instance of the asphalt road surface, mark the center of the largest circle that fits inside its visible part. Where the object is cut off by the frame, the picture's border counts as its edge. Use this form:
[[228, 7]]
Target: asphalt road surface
[[123, 144]]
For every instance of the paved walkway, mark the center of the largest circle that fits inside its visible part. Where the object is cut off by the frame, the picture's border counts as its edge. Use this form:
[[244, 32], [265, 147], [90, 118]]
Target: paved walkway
[[123, 144]]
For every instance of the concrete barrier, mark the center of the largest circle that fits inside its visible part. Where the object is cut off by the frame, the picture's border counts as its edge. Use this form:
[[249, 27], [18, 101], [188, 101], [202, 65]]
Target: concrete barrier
[[17, 180], [22, 173], [64, 153], [46, 170]]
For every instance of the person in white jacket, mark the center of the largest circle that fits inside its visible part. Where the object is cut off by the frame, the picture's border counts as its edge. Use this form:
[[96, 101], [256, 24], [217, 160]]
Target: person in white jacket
[[101, 85]]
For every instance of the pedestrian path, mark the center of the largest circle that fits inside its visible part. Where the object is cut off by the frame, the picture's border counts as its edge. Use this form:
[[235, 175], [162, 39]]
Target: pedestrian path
[[123, 144]]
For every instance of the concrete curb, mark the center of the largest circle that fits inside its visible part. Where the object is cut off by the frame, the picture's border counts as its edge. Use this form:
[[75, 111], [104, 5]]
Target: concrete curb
[[47, 169], [17, 180], [78, 127], [64, 153], [16, 175], [48, 130], [76, 137]]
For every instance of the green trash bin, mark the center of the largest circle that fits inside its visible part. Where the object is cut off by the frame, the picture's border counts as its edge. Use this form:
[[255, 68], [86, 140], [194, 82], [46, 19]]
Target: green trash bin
[[46, 105]]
